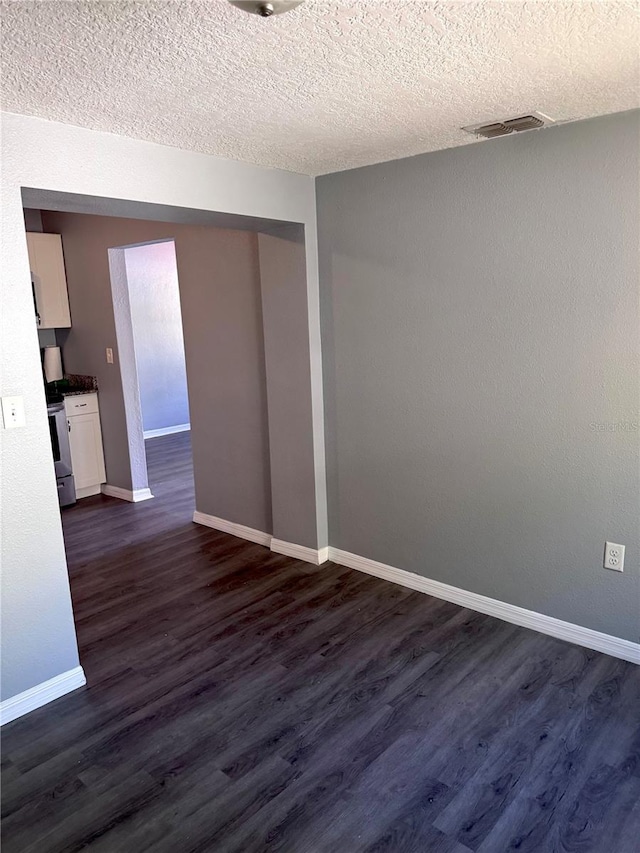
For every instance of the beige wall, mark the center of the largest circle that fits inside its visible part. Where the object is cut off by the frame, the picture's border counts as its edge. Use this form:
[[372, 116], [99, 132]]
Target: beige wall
[[221, 308]]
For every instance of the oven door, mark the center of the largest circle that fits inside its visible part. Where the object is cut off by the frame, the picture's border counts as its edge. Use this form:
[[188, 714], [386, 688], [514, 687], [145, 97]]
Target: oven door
[[59, 430]]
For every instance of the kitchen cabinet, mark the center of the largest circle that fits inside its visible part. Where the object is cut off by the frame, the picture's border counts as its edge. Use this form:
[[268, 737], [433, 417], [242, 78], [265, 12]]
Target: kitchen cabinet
[[49, 280], [85, 441]]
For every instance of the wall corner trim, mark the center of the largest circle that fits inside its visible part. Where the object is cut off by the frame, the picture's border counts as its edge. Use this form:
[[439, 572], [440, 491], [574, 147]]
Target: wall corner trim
[[134, 496], [231, 527], [590, 639], [41, 694], [170, 430], [300, 552]]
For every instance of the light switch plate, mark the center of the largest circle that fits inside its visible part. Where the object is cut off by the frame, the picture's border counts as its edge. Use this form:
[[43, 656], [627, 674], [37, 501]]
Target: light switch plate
[[13, 412]]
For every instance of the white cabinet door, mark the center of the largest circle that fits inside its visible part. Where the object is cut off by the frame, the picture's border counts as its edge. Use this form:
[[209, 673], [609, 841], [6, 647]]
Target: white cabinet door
[[87, 458], [49, 280]]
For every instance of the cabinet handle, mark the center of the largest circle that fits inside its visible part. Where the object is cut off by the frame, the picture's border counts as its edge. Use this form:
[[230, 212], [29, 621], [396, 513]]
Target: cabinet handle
[[80, 405], [69, 425], [35, 303]]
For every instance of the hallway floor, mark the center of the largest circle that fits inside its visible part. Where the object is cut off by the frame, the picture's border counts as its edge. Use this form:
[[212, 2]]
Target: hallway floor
[[241, 701]]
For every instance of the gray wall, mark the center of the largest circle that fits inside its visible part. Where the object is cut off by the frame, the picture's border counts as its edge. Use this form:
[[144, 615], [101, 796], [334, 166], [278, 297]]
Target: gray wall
[[480, 320], [284, 306], [154, 298], [221, 310], [32, 220]]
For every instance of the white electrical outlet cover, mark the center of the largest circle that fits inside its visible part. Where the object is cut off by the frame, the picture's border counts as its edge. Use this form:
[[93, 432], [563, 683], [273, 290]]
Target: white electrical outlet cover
[[13, 412], [614, 556]]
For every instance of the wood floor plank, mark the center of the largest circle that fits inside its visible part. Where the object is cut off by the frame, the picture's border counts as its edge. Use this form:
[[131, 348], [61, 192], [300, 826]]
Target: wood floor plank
[[412, 831], [239, 701], [380, 795]]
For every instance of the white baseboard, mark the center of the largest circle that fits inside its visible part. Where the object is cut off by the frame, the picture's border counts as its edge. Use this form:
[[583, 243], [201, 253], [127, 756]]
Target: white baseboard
[[126, 494], [234, 529], [88, 491], [614, 646], [289, 549], [154, 433], [300, 552], [41, 694]]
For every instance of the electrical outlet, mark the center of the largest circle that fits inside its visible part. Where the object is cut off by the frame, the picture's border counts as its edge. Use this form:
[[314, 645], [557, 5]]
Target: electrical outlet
[[109, 352], [614, 557], [13, 412]]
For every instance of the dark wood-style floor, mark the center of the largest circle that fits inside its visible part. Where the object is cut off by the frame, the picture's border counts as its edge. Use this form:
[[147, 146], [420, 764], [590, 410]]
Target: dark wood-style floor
[[238, 700]]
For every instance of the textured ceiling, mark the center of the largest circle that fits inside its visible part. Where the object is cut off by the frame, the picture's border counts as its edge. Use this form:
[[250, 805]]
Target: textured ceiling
[[329, 86]]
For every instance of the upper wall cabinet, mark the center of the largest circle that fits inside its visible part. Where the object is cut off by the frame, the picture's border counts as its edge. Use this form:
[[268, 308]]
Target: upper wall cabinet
[[49, 280]]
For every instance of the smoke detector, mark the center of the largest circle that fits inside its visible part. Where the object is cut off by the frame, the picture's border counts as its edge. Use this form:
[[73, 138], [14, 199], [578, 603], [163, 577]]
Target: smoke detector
[[265, 9], [530, 121]]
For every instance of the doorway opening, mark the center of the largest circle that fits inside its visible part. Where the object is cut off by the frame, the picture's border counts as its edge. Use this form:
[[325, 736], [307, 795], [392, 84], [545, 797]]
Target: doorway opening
[[150, 341], [252, 361], [156, 317]]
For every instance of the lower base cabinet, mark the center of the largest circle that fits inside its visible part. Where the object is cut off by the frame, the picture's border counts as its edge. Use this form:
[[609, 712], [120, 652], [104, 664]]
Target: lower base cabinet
[[85, 441]]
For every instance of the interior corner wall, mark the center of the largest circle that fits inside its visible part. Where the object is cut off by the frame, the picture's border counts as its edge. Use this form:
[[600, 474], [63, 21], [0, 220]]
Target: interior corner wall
[[284, 305], [481, 349], [219, 283]]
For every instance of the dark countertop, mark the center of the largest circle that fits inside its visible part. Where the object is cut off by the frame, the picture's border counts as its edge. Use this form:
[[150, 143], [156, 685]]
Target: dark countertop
[[72, 385]]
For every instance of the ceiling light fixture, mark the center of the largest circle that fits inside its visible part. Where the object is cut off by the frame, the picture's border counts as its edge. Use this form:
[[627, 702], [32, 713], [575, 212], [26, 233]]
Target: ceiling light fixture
[[265, 9]]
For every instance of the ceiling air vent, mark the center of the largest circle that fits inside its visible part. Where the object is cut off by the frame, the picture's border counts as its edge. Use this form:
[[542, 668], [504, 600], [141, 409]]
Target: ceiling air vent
[[532, 121]]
